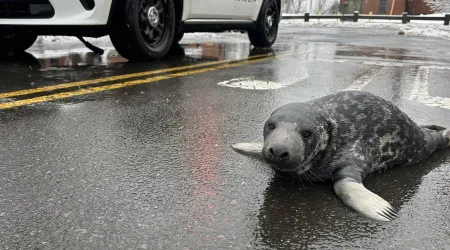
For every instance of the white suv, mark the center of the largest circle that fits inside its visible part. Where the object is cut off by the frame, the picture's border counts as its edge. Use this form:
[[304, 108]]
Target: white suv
[[139, 29]]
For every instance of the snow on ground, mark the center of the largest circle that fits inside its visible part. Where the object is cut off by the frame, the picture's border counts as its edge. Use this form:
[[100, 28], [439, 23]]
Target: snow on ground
[[70, 39], [415, 28]]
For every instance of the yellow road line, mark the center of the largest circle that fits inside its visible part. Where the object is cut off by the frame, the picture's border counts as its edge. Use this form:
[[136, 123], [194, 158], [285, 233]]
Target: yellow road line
[[91, 90], [116, 78]]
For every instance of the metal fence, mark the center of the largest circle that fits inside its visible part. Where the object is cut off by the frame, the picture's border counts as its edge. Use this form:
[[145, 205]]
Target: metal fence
[[405, 18]]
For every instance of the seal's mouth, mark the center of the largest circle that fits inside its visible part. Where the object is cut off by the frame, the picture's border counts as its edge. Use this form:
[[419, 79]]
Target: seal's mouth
[[286, 168], [289, 168]]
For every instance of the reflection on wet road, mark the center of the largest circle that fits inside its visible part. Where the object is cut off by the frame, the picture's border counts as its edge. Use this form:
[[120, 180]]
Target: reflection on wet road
[[100, 153], [187, 72]]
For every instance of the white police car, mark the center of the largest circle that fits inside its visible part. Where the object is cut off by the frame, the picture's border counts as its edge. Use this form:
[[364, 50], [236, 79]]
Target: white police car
[[139, 29]]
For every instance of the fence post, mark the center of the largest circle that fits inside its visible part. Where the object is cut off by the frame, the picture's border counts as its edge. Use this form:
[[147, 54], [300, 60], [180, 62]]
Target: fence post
[[447, 19], [405, 17], [306, 17], [355, 16]]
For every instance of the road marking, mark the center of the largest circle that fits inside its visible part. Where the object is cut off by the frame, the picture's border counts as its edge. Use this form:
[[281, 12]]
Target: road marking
[[421, 93], [92, 90], [409, 64], [438, 67], [301, 73], [385, 64], [362, 80], [120, 77], [331, 61]]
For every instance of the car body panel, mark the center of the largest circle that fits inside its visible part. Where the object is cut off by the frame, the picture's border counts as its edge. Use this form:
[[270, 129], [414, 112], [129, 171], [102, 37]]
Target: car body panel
[[68, 12], [71, 19], [71, 12], [224, 9]]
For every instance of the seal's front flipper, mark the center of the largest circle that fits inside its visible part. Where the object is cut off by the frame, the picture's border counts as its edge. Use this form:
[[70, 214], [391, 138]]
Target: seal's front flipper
[[353, 193], [252, 149]]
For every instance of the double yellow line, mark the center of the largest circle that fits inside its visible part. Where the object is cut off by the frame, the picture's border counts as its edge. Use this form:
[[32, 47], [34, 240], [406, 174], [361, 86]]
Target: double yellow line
[[186, 70]]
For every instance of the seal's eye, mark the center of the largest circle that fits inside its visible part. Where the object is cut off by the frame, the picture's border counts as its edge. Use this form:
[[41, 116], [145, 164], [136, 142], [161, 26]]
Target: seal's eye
[[271, 126], [306, 134]]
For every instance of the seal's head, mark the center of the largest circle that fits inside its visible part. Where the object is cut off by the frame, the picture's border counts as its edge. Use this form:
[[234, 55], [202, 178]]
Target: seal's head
[[293, 135]]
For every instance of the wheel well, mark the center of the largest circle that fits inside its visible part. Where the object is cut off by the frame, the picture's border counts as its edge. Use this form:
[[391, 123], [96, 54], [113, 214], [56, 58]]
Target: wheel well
[[179, 14]]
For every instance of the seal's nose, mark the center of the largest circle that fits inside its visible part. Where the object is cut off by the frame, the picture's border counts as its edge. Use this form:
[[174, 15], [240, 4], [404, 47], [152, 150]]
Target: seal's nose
[[279, 153]]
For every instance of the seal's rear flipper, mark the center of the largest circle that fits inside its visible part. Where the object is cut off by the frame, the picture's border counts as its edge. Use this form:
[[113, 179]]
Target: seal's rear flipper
[[355, 195], [249, 148], [443, 130], [433, 127], [446, 134], [437, 137]]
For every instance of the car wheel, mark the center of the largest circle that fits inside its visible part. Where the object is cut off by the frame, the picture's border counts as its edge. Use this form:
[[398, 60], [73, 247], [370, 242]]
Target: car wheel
[[265, 33], [143, 29], [17, 42]]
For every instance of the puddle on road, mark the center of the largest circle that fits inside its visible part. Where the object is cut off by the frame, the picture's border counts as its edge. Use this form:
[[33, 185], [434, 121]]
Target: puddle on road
[[51, 59], [48, 59], [42, 65], [379, 52]]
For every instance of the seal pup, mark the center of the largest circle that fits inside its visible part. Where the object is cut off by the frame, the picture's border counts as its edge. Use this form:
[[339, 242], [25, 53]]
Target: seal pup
[[343, 137]]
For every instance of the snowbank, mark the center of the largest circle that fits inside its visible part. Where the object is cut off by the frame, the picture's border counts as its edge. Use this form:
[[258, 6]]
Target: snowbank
[[414, 28]]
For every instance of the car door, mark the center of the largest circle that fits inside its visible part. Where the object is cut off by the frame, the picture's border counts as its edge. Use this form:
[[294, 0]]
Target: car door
[[224, 9], [247, 9], [212, 9]]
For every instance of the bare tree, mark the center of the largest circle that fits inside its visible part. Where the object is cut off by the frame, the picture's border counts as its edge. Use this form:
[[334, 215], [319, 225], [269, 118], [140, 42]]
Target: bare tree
[[442, 6], [301, 6], [322, 5], [327, 6], [292, 6]]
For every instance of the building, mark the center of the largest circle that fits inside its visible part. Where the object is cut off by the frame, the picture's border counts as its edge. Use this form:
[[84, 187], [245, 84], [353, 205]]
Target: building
[[385, 7]]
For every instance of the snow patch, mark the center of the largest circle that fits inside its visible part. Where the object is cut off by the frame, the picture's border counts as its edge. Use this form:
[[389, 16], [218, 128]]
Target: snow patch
[[421, 93], [249, 83], [414, 28], [69, 39], [255, 84], [443, 32]]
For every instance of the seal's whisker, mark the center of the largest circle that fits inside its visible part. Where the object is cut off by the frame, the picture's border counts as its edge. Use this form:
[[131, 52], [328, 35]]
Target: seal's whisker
[[308, 177], [314, 174], [299, 179], [296, 179]]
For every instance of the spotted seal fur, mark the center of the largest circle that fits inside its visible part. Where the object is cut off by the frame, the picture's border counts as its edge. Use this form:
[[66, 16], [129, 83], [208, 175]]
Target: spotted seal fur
[[343, 137]]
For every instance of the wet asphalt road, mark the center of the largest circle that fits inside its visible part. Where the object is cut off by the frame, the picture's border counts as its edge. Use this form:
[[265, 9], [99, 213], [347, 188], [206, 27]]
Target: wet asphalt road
[[149, 166]]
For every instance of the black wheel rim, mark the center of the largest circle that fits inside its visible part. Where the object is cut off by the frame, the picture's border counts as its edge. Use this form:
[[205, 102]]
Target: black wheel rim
[[271, 19], [152, 20]]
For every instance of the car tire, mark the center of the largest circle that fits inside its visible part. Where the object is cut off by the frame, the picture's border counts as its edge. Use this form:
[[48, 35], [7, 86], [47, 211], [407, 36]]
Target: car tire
[[266, 30], [143, 29], [17, 42], [178, 37]]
